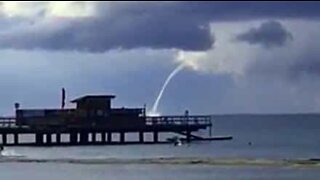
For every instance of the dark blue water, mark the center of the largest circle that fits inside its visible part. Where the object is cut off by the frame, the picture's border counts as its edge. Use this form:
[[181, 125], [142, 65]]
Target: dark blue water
[[272, 137]]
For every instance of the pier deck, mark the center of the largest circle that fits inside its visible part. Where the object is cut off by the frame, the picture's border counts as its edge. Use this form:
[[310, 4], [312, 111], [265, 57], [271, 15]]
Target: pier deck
[[102, 135]]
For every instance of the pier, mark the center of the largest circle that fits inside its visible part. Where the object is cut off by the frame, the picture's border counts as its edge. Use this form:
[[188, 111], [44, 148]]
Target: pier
[[94, 122]]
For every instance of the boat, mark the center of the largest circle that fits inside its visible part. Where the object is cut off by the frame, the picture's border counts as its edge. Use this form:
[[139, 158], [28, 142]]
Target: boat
[[175, 140]]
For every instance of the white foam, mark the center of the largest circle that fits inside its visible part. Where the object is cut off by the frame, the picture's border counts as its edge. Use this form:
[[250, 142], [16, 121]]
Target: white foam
[[10, 153]]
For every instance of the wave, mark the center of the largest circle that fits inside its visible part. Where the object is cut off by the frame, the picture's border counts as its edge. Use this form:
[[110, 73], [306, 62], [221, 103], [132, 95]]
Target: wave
[[174, 161], [10, 153]]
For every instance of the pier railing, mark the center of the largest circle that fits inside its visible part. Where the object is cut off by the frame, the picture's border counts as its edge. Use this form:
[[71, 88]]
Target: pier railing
[[150, 120], [179, 120], [7, 121]]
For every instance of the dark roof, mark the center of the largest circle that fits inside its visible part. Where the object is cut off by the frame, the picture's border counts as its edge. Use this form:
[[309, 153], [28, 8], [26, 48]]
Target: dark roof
[[103, 97]]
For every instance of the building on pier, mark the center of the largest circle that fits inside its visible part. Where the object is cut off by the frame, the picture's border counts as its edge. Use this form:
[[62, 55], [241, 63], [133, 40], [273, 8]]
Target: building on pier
[[90, 111]]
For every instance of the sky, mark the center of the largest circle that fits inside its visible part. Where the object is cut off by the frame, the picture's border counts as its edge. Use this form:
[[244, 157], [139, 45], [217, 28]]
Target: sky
[[239, 57]]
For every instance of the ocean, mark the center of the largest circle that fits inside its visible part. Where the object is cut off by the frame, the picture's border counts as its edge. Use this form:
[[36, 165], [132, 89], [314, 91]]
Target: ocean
[[256, 138]]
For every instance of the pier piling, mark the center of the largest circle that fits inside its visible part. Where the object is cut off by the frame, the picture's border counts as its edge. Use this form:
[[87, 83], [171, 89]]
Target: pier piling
[[109, 137], [122, 137], [73, 138], [103, 137], [93, 138], [84, 137], [15, 138], [141, 137], [4, 138], [58, 138], [48, 138], [79, 135], [188, 135], [155, 136], [39, 139]]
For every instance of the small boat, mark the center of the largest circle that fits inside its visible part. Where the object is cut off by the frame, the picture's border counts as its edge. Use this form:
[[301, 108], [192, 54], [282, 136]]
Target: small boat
[[175, 140]]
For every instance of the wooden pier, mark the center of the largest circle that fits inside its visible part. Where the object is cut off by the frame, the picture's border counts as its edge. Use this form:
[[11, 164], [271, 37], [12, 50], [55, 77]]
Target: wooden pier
[[104, 135], [95, 122]]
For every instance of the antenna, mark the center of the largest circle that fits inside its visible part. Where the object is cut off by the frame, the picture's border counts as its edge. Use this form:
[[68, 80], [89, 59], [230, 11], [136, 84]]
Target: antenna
[[144, 109], [63, 98]]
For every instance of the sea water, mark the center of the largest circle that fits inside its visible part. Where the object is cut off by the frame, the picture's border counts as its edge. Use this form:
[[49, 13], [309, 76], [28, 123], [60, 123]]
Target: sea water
[[273, 137]]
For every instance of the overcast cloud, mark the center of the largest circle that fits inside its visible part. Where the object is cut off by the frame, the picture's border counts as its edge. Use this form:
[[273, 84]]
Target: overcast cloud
[[241, 56]]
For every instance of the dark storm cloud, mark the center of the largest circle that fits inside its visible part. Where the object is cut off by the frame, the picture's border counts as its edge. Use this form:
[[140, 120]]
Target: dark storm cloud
[[96, 35], [157, 25], [269, 34], [118, 28]]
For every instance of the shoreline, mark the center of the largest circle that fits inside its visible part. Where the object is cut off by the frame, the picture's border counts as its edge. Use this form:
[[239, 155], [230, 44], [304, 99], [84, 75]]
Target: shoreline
[[237, 162]]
